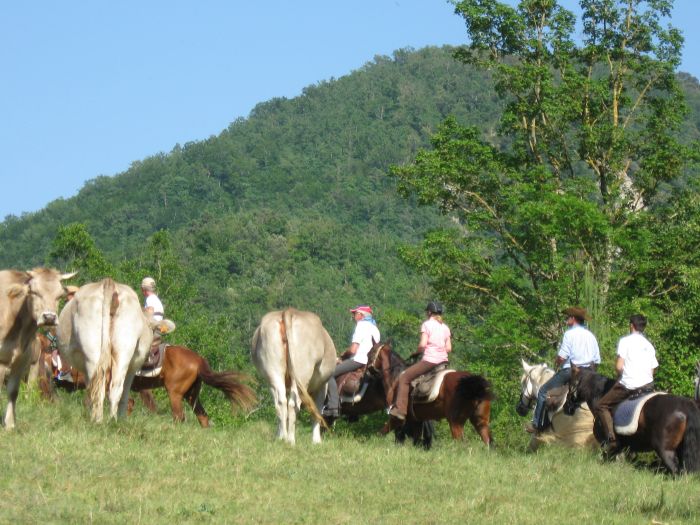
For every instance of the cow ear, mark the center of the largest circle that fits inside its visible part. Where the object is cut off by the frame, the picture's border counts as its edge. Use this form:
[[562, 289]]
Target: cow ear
[[17, 290], [65, 276], [526, 367]]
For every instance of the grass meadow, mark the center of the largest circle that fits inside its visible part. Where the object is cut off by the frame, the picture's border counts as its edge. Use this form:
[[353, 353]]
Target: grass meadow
[[59, 468]]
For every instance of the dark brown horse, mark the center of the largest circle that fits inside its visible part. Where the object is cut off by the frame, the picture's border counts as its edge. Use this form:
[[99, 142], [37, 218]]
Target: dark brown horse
[[462, 397], [668, 425]]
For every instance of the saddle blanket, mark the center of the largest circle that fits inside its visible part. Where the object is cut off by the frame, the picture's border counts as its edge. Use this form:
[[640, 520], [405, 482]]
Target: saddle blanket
[[427, 391], [626, 416]]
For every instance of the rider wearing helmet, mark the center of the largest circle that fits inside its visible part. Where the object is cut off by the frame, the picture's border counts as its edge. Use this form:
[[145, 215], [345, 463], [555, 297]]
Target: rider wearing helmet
[[435, 343]]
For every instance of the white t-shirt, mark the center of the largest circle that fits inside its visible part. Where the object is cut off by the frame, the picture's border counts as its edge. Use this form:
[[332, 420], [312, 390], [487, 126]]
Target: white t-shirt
[[579, 346], [153, 302], [640, 360], [364, 332]]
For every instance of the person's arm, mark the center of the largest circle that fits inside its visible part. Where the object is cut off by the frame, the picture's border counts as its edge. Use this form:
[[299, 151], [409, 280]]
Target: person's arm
[[448, 344], [422, 343], [350, 351], [619, 365], [559, 360]]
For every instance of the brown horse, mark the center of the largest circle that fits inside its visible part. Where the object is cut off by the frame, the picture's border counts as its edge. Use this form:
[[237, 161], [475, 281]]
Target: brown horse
[[182, 375], [669, 425], [462, 397]]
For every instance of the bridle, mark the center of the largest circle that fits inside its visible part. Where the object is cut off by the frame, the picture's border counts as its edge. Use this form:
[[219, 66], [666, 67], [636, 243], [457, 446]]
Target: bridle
[[527, 394]]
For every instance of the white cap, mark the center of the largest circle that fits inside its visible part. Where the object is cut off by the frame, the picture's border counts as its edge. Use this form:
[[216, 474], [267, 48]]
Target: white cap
[[148, 283]]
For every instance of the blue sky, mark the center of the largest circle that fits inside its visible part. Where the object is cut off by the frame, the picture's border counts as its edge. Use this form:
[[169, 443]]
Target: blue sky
[[88, 87]]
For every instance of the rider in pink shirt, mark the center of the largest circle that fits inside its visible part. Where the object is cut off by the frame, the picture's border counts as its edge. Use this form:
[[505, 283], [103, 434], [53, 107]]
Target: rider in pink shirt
[[435, 343]]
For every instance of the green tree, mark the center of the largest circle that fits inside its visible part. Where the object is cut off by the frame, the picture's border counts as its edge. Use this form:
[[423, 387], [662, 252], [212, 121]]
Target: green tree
[[589, 136]]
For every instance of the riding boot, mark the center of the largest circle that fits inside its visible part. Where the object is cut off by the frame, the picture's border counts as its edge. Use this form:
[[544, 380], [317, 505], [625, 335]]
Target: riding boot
[[608, 428]]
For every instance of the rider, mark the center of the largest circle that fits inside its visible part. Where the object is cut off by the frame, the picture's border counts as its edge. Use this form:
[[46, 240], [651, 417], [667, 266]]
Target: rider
[[365, 335], [435, 343], [579, 347], [154, 307], [635, 364]]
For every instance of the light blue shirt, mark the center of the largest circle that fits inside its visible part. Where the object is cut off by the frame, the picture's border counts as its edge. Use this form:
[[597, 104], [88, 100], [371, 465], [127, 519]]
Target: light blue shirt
[[579, 346]]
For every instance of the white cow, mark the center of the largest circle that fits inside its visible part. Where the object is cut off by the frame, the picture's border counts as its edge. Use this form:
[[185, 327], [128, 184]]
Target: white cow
[[293, 351], [27, 300], [104, 333]]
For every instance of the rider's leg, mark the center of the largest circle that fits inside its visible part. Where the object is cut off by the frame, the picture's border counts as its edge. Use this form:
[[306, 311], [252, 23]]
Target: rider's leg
[[333, 398], [408, 375], [603, 410], [559, 379]]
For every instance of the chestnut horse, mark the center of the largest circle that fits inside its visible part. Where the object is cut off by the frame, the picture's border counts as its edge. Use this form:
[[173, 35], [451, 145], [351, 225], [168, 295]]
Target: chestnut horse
[[462, 397], [182, 375], [669, 425]]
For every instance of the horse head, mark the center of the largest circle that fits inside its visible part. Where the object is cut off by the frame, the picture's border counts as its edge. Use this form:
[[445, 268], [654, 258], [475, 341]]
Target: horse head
[[375, 356], [534, 376]]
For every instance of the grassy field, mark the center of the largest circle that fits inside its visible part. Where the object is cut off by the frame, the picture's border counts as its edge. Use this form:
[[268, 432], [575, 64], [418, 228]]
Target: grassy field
[[59, 468]]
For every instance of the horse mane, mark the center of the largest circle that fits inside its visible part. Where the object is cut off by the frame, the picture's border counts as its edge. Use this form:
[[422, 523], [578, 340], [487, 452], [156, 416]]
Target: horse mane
[[592, 386]]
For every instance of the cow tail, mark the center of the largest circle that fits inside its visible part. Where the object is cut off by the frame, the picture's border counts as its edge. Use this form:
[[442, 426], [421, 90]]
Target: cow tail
[[690, 458], [98, 383], [292, 377]]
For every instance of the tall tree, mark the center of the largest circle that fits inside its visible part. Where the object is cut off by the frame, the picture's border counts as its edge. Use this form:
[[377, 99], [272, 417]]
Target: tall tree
[[589, 135]]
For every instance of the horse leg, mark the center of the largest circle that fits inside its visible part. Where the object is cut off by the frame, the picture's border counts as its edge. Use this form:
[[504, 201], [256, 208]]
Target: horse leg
[[480, 421], [148, 400], [667, 441], [196, 404], [456, 429], [175, 397]]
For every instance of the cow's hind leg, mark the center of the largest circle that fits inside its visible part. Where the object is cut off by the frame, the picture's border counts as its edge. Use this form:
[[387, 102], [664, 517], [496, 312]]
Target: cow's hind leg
[[279, 398], [293, 406], [319, 399]]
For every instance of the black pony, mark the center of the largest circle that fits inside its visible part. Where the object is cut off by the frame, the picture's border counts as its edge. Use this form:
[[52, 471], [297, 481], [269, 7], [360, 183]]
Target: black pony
[[669, 425]]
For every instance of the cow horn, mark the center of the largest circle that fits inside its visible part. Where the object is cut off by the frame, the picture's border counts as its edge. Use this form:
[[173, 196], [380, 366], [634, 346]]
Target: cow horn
[[65, 276]]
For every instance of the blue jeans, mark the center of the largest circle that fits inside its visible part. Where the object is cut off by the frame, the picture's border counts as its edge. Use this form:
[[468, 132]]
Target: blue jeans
[[561, 378]]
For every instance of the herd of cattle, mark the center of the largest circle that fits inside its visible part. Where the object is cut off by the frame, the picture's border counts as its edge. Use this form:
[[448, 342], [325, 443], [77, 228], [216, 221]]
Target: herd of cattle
[[104, 333]]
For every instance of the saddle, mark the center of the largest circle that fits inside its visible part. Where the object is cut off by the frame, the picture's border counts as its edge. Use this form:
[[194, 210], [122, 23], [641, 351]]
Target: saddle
[[154, 361], [425, 388], [556, 397], [626, 416], [351, 386]]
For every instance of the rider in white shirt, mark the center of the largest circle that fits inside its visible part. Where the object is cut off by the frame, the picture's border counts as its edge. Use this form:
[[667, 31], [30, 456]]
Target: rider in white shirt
[[635, 364], [365, 335]]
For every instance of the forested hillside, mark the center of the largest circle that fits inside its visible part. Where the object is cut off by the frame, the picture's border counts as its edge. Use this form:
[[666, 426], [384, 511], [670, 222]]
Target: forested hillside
[[290, 206]]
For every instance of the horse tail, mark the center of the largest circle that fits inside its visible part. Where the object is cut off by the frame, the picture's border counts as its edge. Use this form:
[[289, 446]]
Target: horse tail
[[475, 387], [291, 377], [690, 454], [103, 370], [230, 383]]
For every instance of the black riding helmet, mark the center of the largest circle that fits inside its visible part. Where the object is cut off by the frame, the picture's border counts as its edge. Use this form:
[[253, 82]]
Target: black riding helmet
[[434, 307]]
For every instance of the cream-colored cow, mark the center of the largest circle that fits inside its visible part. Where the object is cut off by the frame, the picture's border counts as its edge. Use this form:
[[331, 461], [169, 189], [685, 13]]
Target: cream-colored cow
[[104, 333], [293, 351]]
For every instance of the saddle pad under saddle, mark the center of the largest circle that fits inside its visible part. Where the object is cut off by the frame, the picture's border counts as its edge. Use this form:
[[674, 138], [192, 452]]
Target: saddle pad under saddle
[[626, 416], [154, 371], [425, 389]]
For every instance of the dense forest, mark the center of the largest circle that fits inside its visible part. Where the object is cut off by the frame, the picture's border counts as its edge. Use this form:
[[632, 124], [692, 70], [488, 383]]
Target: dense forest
[[296, 205]]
